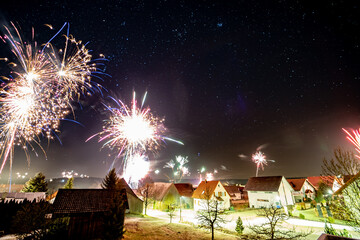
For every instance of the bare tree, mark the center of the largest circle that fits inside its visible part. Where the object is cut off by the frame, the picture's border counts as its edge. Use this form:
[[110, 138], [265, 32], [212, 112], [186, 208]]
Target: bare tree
[[270, 229], [211, 214], [345, 205], [144, 191], [343, 163]]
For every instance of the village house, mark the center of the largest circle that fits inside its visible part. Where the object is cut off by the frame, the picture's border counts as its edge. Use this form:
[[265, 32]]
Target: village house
[[186, 191], [213, 190], [333, 182], [163, 195], [269, 191], [302, 189], [85, 209], [19, 197], [237, 194]]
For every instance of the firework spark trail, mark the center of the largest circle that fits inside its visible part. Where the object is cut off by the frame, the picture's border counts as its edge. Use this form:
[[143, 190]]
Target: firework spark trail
[[260, 159], [354, 138], [136, 169], [39, 94], [132, 130], [178, 167]]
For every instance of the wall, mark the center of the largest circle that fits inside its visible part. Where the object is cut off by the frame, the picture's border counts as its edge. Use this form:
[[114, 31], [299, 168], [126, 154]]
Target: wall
[[270, 198]]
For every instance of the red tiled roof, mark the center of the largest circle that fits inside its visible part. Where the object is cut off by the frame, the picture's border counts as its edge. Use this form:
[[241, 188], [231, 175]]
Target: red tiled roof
[[185, 189], [328, 180], [270, 184], [205, 188], [296, 184]]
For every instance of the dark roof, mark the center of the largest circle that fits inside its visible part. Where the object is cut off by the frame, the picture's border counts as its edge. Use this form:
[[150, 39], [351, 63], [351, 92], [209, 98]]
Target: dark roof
[[205, 187], [232, 189], [270, 184], [185, 189], [83, 200], [122, 184]]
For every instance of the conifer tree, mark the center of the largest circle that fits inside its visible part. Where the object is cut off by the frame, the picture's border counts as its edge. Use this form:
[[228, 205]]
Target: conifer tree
[[69, 184], [36, 184], [110, 180]]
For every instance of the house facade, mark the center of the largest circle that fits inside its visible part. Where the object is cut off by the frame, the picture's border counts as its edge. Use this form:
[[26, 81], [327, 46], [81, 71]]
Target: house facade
[[212, 190], [333, 182], [302, 189], [269, 191], [163, 194], [186, 191]]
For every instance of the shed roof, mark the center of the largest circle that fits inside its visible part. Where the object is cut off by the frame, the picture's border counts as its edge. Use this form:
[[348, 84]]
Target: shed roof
[[185, 189], [83, 200], [205, 187], [270, 184]]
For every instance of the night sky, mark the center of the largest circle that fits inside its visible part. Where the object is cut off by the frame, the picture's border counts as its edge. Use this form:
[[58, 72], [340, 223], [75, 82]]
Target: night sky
[[228, 76]]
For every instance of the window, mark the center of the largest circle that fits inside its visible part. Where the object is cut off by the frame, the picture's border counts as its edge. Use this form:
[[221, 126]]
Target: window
[[262, 200]]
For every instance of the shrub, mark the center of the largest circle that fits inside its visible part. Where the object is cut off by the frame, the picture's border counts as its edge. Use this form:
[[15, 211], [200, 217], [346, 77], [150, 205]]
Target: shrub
[[302, 216], [239, 226], [331, 220]]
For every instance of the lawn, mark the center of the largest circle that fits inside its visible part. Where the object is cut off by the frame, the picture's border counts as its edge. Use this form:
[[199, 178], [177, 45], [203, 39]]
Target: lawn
[[310, 215], [138, 227]]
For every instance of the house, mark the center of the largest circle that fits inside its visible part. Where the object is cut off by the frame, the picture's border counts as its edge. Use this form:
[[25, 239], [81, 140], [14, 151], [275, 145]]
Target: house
[[19, 197], [213, 190], [237, 194], [333, 182], [163, 194], [269, 191], [85, 209], [135, 203], [186, 191], [302, 189]]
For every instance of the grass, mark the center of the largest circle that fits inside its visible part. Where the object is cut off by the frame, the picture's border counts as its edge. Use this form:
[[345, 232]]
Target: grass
[[138, 227], [309, 214]]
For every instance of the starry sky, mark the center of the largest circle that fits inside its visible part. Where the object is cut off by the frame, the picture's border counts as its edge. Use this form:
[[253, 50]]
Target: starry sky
[[228, 76]]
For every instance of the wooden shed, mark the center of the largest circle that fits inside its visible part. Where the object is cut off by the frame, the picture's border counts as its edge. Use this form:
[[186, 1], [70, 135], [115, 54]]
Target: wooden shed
[[86, 209]]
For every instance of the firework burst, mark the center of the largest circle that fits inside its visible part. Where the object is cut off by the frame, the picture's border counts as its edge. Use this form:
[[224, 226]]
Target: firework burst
[[36, 97], [132, 130], [260, 159], [354, 138], [178, 167]]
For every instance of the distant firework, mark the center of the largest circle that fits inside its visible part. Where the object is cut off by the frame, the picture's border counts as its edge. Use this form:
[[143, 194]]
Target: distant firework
[[260, 159], [179, 168], [354, 138]]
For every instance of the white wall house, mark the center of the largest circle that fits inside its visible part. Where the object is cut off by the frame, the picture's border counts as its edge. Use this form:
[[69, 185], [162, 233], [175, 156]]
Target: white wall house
[[302, 188], [269, 191], [213, 190]]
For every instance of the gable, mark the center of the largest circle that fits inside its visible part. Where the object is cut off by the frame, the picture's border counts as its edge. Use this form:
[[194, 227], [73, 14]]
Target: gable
[[205, 188]]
